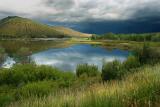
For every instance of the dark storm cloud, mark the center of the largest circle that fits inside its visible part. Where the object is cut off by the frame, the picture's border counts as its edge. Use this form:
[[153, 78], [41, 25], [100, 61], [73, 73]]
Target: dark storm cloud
[[142, 22], [119, 27], [93, 16], [149, 12]]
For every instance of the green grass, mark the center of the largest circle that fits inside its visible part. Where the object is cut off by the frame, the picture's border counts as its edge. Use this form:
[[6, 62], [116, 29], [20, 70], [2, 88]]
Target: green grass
[[131, 83], [140, 89], [30, 85]]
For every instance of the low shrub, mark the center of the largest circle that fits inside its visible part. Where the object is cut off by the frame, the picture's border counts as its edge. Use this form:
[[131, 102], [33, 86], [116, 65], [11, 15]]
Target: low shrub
[[67, 79], [47, 73], [111, 70], [131, 62], [88, 70], [23, 74], [18, 74], [116, 69]]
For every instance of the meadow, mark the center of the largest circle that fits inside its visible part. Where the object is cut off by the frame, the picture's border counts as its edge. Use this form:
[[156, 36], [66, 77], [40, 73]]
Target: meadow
[[140, 89], [132, 83]]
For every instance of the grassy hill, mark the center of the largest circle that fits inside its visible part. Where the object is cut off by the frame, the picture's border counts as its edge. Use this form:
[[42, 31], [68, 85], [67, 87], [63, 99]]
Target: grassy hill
[[71, 32], [17, 27]]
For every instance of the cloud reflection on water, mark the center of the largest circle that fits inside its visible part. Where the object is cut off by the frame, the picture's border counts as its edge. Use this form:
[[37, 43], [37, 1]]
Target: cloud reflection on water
[[67, 58]]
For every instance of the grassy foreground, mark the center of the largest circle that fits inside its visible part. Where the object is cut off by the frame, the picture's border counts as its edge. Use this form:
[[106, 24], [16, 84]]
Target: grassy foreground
[[141, 89]]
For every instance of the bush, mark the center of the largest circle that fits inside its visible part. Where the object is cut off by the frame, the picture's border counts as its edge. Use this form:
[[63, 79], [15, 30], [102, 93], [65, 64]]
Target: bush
[[22, 74], [131, 62], [47, 73], [116, 69], [67, 79], [88, 70], [111, 70], [18, 74]]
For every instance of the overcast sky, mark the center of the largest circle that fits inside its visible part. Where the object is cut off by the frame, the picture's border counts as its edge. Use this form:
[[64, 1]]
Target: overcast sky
[[104, 15]]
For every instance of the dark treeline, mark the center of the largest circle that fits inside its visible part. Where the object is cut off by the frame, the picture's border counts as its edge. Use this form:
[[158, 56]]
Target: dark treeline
[[131, 37]]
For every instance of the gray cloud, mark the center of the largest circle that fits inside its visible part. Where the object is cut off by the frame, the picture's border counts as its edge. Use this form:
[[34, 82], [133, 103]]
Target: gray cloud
[[81, 10], [60, 4], [147, 13]]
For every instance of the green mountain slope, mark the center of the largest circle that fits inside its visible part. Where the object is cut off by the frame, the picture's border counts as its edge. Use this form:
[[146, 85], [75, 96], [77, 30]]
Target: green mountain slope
[[17, 27], [71, 32]]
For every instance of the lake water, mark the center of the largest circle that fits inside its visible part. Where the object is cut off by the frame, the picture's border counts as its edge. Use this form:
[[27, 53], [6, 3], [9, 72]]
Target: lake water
[[67, 58]]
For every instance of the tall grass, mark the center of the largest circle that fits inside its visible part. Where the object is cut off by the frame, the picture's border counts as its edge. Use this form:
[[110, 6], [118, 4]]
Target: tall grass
[[140, 89]]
